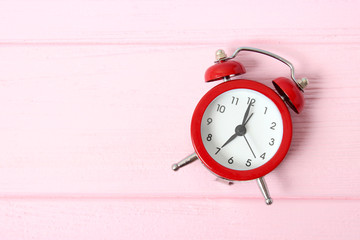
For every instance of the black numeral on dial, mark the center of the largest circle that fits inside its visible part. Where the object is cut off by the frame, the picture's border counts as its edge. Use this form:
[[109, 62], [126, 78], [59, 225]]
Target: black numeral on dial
[[272, 141], [273, 124], [221, 108], [218, 150], [231, 160], [251, 100], [235, 100], [209, 137], [248, 163]]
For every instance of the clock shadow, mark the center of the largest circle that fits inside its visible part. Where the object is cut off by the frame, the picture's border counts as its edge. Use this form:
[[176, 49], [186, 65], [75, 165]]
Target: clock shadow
[[302, 130]]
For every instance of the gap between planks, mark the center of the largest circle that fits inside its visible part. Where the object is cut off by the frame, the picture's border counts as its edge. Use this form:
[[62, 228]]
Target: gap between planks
[[160, 197]]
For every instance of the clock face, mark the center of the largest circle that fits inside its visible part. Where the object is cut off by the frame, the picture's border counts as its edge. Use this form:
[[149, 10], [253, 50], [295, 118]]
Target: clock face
[[242, 129]]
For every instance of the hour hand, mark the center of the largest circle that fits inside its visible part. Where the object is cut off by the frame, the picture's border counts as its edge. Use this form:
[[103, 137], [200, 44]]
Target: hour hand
[[248, 119], [229, 140], [246, 113]]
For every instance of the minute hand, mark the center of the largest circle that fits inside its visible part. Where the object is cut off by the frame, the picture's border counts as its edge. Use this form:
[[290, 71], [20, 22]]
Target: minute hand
[[246, 113], [248, 119], [230, 139]]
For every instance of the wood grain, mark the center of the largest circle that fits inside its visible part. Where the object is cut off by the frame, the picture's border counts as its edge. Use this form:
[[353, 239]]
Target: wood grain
[[96, 102], [88, 124], [178, 219]]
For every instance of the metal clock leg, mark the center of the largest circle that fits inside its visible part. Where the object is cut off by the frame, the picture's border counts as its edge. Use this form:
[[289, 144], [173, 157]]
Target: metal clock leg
[[264, 190], [189, 159]]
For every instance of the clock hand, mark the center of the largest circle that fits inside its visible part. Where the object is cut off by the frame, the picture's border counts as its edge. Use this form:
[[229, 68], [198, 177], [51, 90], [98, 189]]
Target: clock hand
[[246, 113], [248, 119], [244, 123], [240, 130], [230, 139], [249, 146]]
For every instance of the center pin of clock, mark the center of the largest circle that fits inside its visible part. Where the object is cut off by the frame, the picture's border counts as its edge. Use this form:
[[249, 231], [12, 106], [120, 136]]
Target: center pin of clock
[[240, 130]]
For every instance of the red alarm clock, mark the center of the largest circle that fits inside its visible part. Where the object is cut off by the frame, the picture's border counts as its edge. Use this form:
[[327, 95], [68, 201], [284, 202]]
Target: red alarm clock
[[242, 129]]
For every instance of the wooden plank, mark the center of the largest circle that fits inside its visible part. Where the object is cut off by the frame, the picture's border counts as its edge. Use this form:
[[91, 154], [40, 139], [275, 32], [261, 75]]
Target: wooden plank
[[112, 119], [163, 22], [178, 219]]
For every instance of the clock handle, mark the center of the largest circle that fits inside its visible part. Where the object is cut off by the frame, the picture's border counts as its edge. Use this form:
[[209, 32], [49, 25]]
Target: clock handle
[[291, 91], [189, 159], [302, 83], [264, 190]]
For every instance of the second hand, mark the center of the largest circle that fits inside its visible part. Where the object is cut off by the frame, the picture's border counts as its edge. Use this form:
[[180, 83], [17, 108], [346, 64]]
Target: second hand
[[249, 146]]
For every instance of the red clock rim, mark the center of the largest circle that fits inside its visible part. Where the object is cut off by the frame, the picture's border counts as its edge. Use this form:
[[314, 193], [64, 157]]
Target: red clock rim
[[217, 168]]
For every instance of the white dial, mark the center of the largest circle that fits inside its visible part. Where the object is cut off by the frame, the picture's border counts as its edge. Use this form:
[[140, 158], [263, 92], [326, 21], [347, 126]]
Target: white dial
[[239, 139]]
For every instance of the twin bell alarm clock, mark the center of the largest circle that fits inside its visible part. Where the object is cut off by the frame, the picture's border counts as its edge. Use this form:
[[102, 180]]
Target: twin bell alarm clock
[[241, 129]]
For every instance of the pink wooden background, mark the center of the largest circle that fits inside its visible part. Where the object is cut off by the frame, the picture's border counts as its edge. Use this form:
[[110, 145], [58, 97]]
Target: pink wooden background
[[96, 99]]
